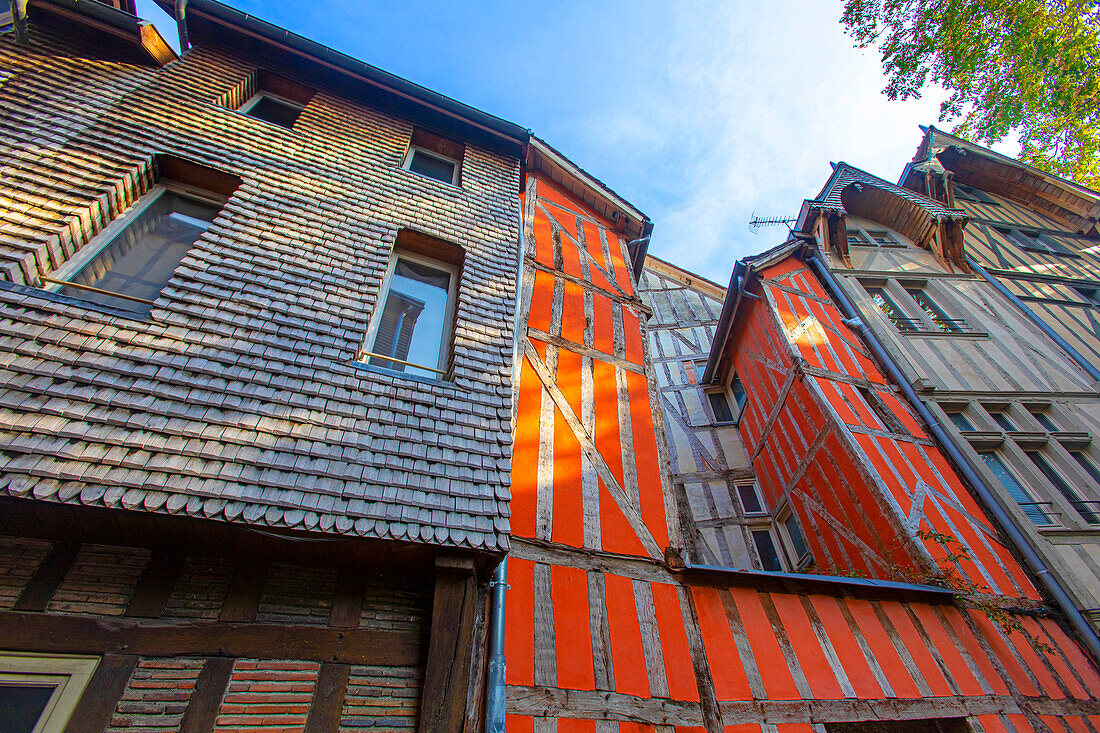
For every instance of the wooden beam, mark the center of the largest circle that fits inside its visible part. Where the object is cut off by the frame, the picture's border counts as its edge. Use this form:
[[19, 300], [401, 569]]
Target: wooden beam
[[447, 674], [210, 687], [328, 699], [243, 599], [43, 584], [93, 713], [57, 634], [155, 585], [347, 601]]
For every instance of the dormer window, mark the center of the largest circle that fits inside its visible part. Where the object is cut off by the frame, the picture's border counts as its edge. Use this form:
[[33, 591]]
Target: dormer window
[[428, 164], [436, 157], [272, 108], [871, 238]]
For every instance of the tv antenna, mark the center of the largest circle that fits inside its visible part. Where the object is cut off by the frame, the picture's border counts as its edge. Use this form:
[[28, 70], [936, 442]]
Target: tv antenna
[[756, 222]]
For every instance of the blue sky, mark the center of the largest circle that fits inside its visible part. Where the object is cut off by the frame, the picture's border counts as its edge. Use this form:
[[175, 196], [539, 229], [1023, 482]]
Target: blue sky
[[699, 113]]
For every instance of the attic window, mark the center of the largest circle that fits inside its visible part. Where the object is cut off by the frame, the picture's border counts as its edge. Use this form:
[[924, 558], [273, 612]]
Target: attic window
[[432, 156], [966, 193], [273, 109], [274, 99]]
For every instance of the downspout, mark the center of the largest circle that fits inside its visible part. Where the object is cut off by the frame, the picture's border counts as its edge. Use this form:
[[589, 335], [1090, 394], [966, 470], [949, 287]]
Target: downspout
[[1074, 354], [1085, 631], [181, 25], [494, 694]]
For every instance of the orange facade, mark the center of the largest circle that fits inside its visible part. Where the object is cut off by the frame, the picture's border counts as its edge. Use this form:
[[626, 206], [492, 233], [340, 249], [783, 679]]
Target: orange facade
[[606, 629]]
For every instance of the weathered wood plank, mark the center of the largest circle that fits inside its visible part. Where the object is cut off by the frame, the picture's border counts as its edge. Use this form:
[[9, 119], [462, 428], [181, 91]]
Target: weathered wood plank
[[202, 709], [93, 713], [34, 632], [155, 585], [243, 598], [447, 674], [328, 699], [38, 592], [347, 600]]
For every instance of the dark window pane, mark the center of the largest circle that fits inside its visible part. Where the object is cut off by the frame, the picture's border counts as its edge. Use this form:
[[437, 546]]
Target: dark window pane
[[1063, 488], [275, 111], [1045, 420], [1089, 466], [765, 549], [413, 318], [882, 239], [856, 237], [22, 705], [1032, 509], [738, 391], [934, 312], [798, 542], [1002, 419], [750, 502], [140, 260], [721, 407], [960, 421], [431, 166]]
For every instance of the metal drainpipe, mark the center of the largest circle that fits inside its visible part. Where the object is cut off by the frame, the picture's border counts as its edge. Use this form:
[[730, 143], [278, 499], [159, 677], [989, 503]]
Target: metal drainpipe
[[1085, 631], [1034, 318], [181, 25], [494, 697]]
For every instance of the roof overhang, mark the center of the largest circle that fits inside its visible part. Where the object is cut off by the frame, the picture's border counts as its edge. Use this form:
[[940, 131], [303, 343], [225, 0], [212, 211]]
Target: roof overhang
[[140, 35], [636, 226], [971, 164], [740, 281], [202, 18]]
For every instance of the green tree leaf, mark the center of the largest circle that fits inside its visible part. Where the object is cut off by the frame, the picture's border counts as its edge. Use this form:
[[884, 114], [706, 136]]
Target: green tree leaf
[[1026, 66]]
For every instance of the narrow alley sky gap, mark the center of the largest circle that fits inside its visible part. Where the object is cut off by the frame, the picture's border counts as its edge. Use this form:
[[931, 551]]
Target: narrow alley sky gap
[[699, 113]]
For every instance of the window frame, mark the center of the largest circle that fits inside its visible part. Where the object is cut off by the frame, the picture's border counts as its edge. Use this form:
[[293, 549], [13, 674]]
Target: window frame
[[797, 562], [780, 553], [72, 673], [406, 164], [759, 500], [58, 279], [442, 370], [247, 106]]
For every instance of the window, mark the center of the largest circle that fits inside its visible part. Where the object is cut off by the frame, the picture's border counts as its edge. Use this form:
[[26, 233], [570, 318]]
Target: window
[[432, 166], [1035, 241], [128, 264], [1063, 488], [966, 193], [960, 420], [1044, 419], [1088, 466], [766, 550], [795, 542], [891, 310], [882, 238], [411, 330], [737, 390], [38, 693], [720, 406], [1092, 295], [858, 238], [750, 500], [273, 109], [934, 312], [1033, 509], [889, 420], [1001, 418]]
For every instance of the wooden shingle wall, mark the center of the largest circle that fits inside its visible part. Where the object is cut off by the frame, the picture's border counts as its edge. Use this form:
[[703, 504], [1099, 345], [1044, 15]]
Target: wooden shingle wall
[[603, 635], [238, 398]]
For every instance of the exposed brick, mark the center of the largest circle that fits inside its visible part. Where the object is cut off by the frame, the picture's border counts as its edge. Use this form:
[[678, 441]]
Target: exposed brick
[[382, 698], [100, 581], [19, 559], [156, 696], [267, 695]]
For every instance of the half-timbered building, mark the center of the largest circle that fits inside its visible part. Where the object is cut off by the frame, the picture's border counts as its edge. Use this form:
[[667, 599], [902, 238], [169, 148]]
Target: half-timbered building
[[256, 308], [640, 601]]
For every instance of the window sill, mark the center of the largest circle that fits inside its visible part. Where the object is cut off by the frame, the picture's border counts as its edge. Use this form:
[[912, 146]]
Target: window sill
[[422, 177], [133, 315], [382, 371], [946, 334]]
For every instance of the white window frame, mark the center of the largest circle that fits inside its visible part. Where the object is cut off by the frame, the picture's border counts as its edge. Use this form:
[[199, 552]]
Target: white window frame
[[446, 339], [96, 244], [786, 544], [780, 552], [413, 149], [252, 101], [71, 675], [759, 500]]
